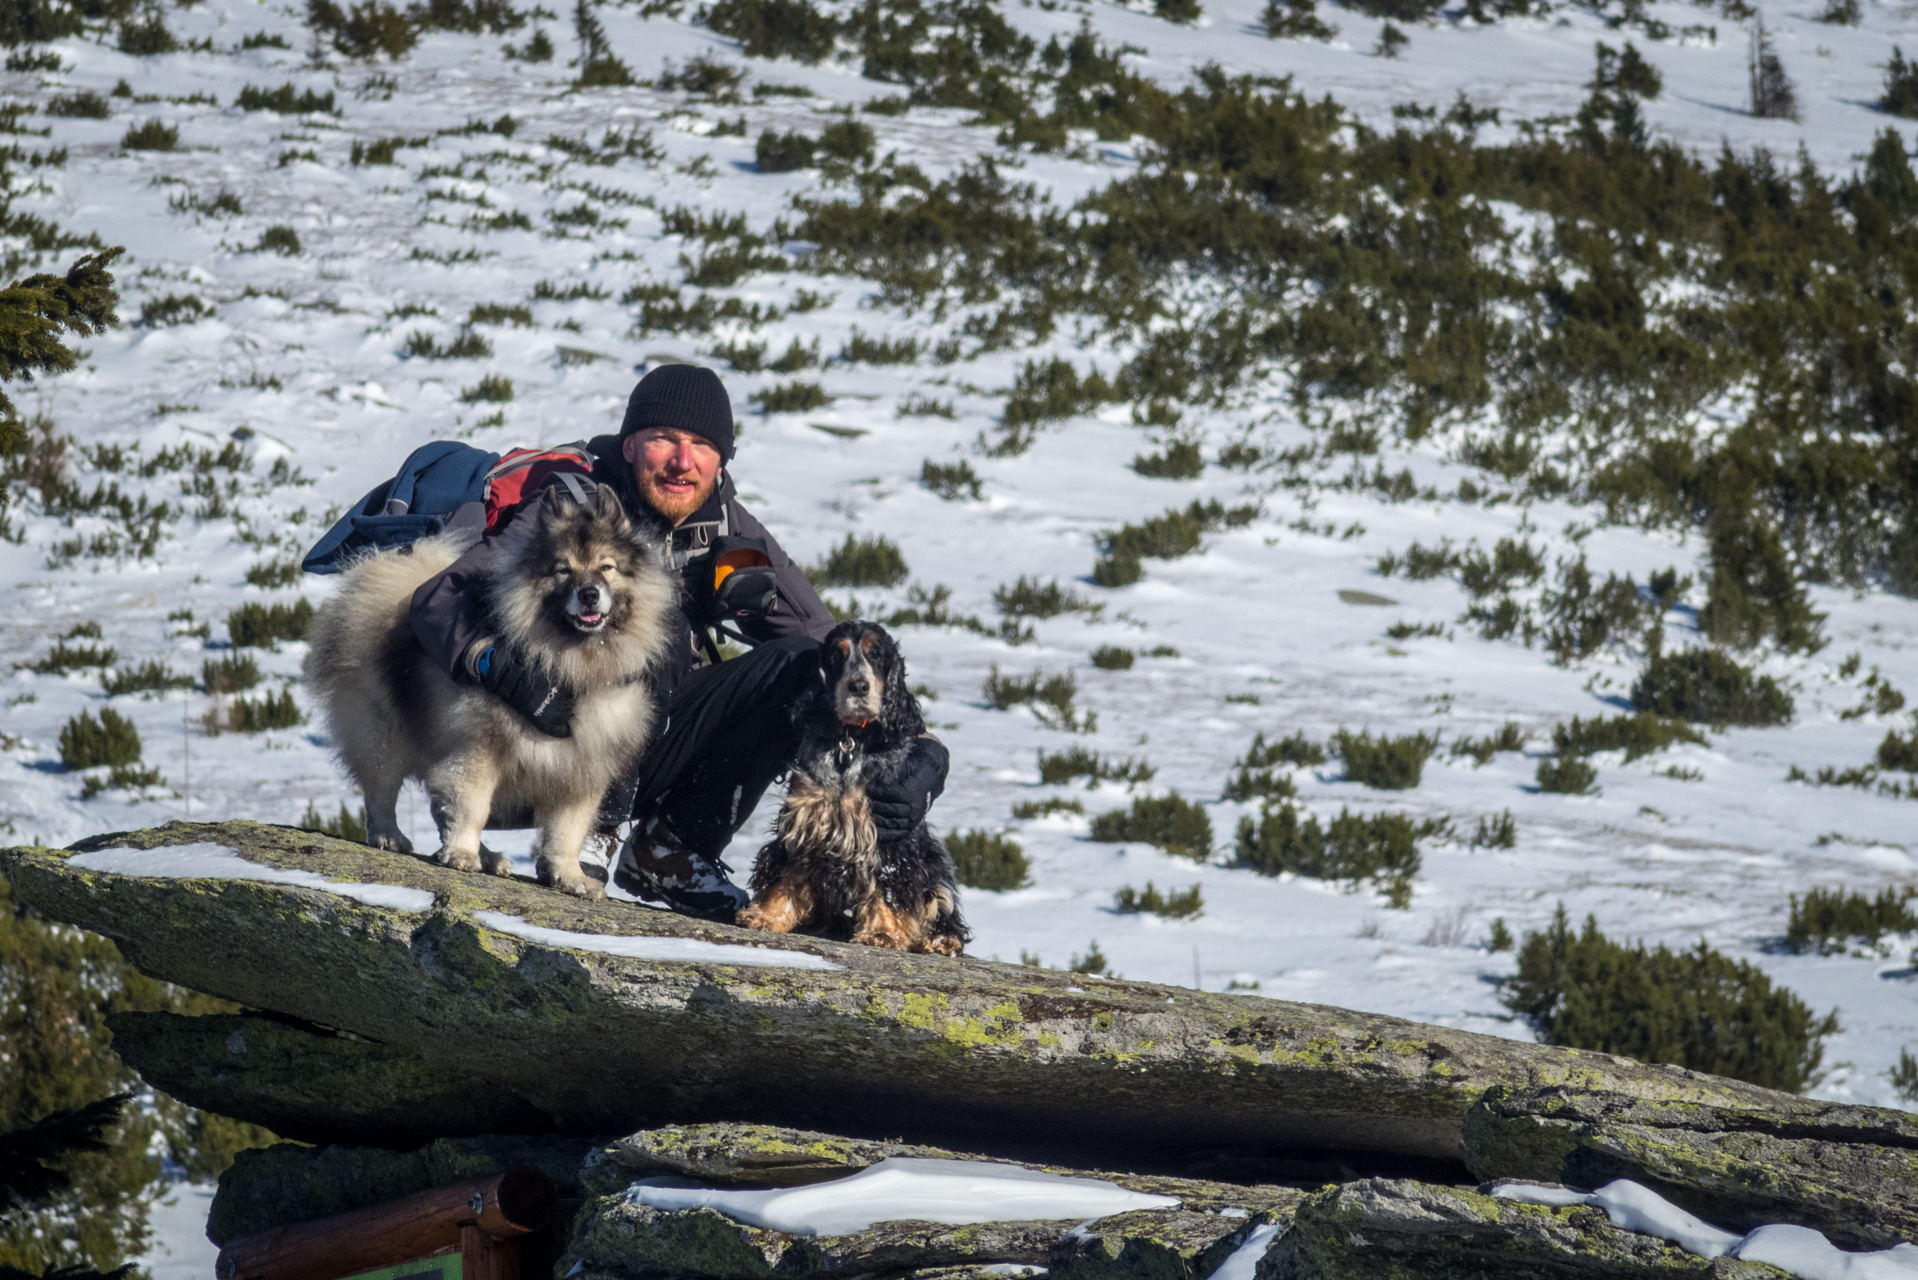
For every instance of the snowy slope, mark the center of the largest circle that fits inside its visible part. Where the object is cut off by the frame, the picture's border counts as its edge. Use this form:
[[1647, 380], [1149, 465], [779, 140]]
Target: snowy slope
[[301, 351]]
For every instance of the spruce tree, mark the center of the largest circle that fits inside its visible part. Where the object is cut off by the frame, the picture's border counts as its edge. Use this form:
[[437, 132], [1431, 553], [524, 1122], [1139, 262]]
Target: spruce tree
[[71, 1194], [37, 313], [1773, 97]]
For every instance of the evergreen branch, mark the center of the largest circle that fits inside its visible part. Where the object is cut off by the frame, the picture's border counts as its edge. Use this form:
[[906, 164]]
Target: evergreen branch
[[28, 1156], [69, 1273], [36, 313]]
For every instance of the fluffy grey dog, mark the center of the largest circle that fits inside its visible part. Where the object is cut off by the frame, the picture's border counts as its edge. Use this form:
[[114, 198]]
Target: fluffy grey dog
[[581, 596]]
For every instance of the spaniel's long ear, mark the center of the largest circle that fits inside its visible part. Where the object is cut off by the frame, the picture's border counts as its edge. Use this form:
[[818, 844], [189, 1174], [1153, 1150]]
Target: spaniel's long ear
[[898, 709]]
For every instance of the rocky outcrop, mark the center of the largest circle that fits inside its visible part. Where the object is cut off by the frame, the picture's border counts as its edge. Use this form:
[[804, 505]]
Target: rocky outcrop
[[315, 1084], [1381, 1229], [425, 1027], [495, 1004], [1850, 1172]]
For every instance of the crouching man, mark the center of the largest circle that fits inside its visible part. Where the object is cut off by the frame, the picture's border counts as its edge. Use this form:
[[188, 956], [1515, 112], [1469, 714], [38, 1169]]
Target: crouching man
[[727, 730]]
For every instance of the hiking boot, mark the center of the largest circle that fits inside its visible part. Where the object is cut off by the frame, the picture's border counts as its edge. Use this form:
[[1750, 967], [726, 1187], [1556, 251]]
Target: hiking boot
[[596, 855], [654, 868]]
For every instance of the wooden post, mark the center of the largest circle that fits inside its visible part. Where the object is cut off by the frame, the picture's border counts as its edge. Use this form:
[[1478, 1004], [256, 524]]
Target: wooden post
[[478, 1217]]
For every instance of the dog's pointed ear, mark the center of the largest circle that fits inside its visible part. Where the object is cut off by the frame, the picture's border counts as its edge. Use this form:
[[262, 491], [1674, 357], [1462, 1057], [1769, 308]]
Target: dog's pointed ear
[[555, 504], [607, 506]]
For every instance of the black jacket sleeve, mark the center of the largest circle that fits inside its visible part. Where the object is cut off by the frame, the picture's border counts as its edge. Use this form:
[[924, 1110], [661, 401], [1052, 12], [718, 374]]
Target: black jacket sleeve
[[449, 609], [800, 611]]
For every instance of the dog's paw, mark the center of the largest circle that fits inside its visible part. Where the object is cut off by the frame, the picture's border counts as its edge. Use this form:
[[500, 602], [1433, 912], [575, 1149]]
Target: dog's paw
[[581, 887], [495, 863], [882, 938], [750, 917], [458, 859], [395, 843], [940, 946]]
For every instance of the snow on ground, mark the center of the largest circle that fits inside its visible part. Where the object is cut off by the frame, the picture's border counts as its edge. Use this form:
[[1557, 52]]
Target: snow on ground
[[180, 1249], [305, 353]]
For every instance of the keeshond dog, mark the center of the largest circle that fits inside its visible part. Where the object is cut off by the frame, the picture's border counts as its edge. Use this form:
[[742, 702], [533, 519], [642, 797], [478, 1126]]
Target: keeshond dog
[[581, 596]]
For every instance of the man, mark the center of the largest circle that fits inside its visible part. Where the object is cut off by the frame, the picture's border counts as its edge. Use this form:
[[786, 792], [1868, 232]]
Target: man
[[727, 732]]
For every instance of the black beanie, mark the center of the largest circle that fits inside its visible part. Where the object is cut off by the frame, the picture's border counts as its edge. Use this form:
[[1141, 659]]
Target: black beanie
[[684, 396]]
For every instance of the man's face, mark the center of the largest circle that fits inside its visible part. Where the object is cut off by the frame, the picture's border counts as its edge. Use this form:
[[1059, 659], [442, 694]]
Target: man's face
[[675, 470]]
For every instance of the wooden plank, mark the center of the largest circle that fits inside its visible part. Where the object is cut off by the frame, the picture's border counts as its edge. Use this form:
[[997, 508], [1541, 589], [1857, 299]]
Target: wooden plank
[[499, 1206]]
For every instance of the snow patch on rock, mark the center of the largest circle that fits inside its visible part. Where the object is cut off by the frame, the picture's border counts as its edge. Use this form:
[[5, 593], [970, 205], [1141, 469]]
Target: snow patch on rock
[[907, 1188], [671, 950], [206, 861], [1799, 1250]]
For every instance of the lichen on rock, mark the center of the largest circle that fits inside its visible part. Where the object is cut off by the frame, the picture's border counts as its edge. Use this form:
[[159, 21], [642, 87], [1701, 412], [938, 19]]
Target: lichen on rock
[[1850, 1172]]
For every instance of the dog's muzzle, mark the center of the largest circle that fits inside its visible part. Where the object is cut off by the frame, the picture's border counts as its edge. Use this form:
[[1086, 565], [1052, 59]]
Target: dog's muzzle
[[587, 608]]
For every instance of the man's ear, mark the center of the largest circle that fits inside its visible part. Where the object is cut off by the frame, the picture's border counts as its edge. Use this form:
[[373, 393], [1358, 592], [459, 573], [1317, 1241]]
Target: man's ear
[[629, 448]]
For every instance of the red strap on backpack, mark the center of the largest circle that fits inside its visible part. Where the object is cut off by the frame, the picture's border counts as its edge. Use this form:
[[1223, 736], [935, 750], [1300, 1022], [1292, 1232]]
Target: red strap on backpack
[[522, 473]]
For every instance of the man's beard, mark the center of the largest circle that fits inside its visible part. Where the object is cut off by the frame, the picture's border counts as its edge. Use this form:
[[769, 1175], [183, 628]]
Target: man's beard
[[675, 507]]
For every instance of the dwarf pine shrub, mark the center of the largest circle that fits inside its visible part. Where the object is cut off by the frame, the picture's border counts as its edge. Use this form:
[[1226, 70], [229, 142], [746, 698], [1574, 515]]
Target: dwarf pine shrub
[[1047, 807], [1389, 764], [151, 676], [790, 397], [1635, 735], [1078, 762], [1512, 562], [1030, 598], [233, 673], [1185, 904], [1050, 697], [364, 31], [86, 105], [1509, 737], [269, 711], [285, 100], [494, 388], [1900, 97], [64, 657], [1171, 822], [1567, 775], [1500, 832], [862, 562], [1353, 848], [1110, 657], [1754, 594], [1580, 618], [151, 135], [273, 573], [111, 739], [1296, 20], [174, 308], [1257, 769], [783, 152], [1166, 537], [775, 28], [1179, 460], [261, 626], [1898, 752], [1710, 687], [347, 825], [121, 777], [1695, 1008], [983, 860], [1833, 921], [147, 36]]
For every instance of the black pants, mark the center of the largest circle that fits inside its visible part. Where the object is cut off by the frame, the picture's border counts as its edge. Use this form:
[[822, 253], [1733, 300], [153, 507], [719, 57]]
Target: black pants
[[729, 735]]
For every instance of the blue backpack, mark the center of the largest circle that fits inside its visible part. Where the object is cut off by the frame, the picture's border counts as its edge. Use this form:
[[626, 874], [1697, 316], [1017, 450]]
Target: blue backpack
[[435, 487]]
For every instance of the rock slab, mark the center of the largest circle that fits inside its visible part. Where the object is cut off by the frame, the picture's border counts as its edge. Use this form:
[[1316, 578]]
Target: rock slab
[[519, 993]]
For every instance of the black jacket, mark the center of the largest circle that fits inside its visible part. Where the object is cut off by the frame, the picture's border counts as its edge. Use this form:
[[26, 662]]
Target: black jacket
[[449, 610]]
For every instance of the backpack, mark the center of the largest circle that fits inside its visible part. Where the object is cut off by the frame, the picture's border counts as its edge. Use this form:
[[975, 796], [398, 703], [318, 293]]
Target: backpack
[[443, 485]]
